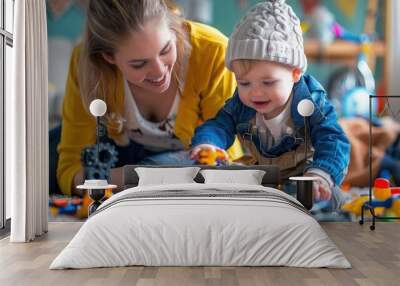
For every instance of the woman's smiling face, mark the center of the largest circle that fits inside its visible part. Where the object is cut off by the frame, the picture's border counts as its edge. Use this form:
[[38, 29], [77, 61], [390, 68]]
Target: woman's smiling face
[[147, 57]]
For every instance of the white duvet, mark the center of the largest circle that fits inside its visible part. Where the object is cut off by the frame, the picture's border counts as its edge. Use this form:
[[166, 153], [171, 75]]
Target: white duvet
[[201, 224]]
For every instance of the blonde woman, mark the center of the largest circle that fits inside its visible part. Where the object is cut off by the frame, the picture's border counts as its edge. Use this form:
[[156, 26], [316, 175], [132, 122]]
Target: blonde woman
[[160, 75]]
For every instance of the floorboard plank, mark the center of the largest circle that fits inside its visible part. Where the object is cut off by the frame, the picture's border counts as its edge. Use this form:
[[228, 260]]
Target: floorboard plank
[[374, 255]]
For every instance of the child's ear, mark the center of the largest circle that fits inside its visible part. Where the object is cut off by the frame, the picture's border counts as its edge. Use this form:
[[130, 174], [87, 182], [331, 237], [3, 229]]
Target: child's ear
[[108, 58], [296, 74]]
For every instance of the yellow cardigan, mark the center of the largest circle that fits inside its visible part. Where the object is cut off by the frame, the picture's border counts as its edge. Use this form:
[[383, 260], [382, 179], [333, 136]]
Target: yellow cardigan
[[207, 86]]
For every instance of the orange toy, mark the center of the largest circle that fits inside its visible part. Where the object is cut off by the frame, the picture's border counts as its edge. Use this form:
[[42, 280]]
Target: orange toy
[[212, 157], [382, 189], [82, 212]]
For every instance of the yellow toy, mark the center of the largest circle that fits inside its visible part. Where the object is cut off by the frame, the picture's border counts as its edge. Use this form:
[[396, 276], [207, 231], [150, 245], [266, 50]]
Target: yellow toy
[[355, 205], [385, 203]]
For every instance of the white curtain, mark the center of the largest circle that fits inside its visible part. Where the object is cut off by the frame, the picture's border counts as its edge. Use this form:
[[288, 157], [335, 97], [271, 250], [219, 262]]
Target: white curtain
[[27, 124]]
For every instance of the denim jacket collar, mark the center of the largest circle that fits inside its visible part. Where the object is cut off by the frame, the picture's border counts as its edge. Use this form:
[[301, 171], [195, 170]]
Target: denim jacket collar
[[306, 88]]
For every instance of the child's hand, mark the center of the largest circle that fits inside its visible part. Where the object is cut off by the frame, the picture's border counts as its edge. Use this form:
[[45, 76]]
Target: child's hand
[[321, 189], [207, 153]]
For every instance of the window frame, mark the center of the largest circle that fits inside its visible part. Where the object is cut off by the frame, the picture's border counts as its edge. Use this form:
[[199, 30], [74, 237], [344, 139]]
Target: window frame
[[6, 39]]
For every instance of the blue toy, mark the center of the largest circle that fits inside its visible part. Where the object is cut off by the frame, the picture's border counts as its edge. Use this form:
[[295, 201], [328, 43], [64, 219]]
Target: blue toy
[[355, 103], [349, 89]]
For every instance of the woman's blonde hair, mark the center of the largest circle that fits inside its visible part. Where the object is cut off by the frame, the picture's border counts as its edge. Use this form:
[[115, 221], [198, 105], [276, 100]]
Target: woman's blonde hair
[[108, 21]]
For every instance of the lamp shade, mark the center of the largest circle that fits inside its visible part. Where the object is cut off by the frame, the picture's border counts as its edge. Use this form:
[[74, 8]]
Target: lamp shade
[[98, 107], [305, 107]]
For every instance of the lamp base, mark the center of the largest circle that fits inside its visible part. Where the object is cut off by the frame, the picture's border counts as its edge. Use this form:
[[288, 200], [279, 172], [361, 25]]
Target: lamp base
[[304, 190]]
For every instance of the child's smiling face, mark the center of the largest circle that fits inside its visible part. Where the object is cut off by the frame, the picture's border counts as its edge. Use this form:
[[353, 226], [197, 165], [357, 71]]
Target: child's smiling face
[[265, 86]]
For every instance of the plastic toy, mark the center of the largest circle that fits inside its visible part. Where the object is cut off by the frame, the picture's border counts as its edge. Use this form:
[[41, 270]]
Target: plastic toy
[[354, 206], [78, 207], [382, 189], [385, 203], [320, 24], [212, 157], [385, 196], [98, 160], [83, 212], [59, 205], [349, 87], [355, 102]]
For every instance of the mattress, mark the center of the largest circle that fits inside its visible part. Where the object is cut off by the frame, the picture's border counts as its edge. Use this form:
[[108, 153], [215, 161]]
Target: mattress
[[201, 225]]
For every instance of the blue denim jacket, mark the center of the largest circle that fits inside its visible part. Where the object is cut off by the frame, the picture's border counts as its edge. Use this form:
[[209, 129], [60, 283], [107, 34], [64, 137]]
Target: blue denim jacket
[[331, 146]]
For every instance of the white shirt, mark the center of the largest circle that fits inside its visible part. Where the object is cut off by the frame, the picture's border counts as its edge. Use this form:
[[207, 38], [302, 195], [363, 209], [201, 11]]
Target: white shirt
[[271, 130], [154, 136]]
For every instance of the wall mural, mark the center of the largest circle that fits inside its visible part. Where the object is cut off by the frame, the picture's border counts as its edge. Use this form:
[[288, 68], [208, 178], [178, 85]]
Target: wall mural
[[348, 89]]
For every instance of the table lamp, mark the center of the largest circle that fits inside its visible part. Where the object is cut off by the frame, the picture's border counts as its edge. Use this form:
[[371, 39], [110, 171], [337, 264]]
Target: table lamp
[[304, 184], [96, 187]]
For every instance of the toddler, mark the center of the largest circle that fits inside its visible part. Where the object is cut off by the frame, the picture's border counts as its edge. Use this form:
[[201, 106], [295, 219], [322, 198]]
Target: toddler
[[266, 54]]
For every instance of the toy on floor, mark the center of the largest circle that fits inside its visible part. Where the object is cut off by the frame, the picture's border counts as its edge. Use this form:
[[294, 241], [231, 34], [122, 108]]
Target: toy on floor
[[77, 207], [354, 206], [386, 201], [97, 161], [59, 205], [386, 198]]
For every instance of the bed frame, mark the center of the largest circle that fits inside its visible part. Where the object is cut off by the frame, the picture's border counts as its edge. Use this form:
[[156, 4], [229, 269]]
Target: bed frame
[[271, 178], [129, 178]]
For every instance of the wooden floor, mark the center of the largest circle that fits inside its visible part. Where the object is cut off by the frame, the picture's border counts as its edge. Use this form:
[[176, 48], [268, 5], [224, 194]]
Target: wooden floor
[[374, 255]]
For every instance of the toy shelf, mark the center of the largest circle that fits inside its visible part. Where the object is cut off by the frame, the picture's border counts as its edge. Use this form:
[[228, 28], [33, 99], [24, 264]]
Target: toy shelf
[[339, 50], [346, 52]]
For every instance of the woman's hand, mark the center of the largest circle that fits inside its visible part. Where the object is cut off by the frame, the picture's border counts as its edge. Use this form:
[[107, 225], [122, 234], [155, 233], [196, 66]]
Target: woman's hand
[[321, 189], [208, 154]]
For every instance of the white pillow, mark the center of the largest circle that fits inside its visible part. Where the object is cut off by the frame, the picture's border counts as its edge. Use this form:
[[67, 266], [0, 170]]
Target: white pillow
[[163, 176], [249, 177]]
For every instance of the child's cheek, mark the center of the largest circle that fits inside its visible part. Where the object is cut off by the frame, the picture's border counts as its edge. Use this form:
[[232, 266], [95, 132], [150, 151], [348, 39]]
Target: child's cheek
[[244, 98]]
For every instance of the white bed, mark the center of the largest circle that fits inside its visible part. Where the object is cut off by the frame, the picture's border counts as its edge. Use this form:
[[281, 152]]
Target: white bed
[[201, 224]]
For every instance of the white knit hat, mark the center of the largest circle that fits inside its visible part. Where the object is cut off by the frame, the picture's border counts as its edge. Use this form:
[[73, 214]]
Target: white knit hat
[[269, 31]]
